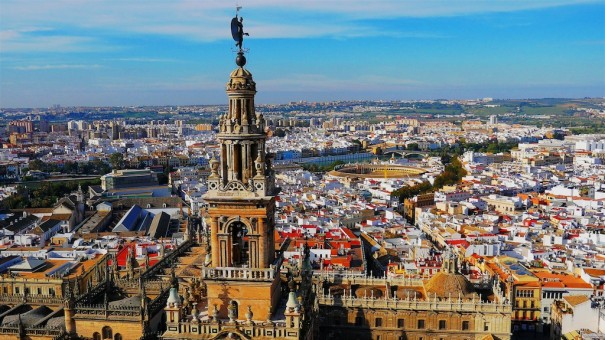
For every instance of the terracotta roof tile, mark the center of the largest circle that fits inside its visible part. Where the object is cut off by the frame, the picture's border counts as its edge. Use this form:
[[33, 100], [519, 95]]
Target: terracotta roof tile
[[575, 300]]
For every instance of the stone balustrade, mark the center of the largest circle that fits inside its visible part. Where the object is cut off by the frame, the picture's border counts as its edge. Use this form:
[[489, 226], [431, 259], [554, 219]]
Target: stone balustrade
[[235, 273], [167, 260], [434, 304], [48, 300], [159, 302], [277, 330], [33, 331], [134, 284], [355, 278]]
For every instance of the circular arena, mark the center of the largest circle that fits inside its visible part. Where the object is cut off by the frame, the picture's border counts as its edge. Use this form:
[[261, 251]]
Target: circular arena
[[376, 171]]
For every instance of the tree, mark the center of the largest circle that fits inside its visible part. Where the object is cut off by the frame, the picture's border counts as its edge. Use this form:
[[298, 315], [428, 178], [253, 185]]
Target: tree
[[70, 167], [413, 147], [117, 161], [37, 164], [280, 133]]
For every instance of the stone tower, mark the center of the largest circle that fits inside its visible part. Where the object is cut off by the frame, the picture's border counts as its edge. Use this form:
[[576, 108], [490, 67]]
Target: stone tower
[[243, 273]]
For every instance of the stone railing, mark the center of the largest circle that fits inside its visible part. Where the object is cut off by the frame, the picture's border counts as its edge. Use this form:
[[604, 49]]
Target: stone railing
[[150, 336], [450, 304], [159, 302], [255, 329], [56, 333], [48, 300], [92, 294], [100, 311], [234, 273], [360, 279], [150, 285], [167, 259]]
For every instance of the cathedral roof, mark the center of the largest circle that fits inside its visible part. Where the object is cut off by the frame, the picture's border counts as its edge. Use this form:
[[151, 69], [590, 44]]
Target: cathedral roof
[[28, 318], [445, 284], [133, 301]]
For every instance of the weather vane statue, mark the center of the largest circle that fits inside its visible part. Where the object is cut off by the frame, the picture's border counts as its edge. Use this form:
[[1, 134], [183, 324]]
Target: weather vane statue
[[237, 30]]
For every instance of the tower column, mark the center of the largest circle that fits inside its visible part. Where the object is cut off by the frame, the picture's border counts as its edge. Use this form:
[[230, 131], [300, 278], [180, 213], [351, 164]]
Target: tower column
[[262, 250], [70, 323], [215, 244]]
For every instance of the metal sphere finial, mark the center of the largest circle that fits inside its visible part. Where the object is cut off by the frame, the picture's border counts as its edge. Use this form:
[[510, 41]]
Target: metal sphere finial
[[240, 60]]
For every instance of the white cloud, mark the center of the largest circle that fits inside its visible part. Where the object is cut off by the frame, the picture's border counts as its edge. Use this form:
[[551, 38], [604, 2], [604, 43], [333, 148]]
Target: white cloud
[[322, 83], [55, 67], [363, 9], [208, 20], [145, 60], [26, 40]]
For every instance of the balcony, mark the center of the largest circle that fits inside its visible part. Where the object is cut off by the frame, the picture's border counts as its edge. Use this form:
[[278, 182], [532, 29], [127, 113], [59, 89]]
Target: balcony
[[239, 274]]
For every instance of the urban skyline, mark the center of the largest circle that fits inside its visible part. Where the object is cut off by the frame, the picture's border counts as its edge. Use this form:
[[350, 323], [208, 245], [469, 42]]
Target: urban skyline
[[123, 53]]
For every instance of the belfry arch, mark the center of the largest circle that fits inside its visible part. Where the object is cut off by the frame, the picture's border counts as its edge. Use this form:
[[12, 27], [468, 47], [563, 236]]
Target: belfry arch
[[238, 232]]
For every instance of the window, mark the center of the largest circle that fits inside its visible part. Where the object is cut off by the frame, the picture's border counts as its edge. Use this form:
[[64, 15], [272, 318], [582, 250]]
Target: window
[[118, 336], [96, 336], [17, 290], [358, 321], [235, 307], [378, 322], [465, 325], [107, 332], [486, 327], [400, 323], [39, 291], [420, 324], [5, 290], [51, 291], [441, 324]]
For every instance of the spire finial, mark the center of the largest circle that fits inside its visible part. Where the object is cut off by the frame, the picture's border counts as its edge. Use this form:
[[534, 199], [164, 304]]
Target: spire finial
[[237, 32]]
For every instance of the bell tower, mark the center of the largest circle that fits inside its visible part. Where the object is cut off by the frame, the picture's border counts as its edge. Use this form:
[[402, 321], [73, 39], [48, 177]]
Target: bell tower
[[243, 273]]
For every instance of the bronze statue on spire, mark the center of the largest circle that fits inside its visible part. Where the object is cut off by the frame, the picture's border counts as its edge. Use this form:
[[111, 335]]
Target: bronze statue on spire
[[237, 29]]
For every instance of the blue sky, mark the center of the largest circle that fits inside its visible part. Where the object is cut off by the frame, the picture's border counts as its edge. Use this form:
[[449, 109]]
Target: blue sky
[[110, 52]]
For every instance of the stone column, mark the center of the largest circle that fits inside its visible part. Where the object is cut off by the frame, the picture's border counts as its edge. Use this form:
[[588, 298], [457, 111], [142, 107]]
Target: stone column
[[214, 242], [262, 246], [224, 174]]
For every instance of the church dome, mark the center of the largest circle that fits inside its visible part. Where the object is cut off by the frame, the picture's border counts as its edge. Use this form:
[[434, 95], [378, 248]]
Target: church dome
[[445, 284], [241, 72], [241, 79]]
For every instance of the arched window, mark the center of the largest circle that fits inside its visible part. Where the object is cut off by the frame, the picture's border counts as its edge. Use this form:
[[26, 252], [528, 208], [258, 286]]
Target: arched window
[[233, 310], [239, 252], [118, 336], [107, 333], [96, 336]]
